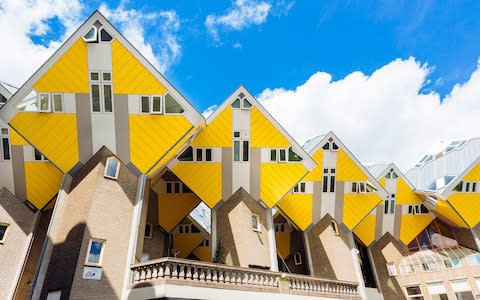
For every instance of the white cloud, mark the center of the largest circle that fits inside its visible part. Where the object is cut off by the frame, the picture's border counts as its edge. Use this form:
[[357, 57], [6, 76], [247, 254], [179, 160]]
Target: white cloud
[[162, 52], [242, 14], [210, 110], [237, 45], [383, 117]]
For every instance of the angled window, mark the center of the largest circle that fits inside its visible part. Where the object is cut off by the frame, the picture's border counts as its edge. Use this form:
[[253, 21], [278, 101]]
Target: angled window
[[255, 222], [334, 227], [328, 180], [298, 258], [391, 174], [186, 155], [38, 155], [105, 36], [292, 156], [112, 168], [172, 106], [44, 102], [330, 145], [95, 252], [91, 36], [246, 104], [3, 232], [5, 144], [236, 103], [241, 102]]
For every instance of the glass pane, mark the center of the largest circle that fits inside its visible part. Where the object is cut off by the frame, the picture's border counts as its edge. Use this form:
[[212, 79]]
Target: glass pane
[[177, 187], [44, 102], [254, 222], [107, 94], [3, 229], [199, 154], [169, 187], [387, 175], [325, 183], [38, 155], [236, 103], [414, 290], [156, 104], [332, 184], [236, 134], [105, 36], [95, 251], [295, 188], [186, 189], [208, 154], [273, 155], [326, 146], [236, 150], [145, 103], [57, 103], [112, 166], [94, 76], [187, 155], [245, 151], [107, 76], [292, 156], [302, 187], [385, 210], [283, 155], [246, 104], [392, 206], [95, 97], [6, 148], [334, 146], [172, 106], [354, 187]]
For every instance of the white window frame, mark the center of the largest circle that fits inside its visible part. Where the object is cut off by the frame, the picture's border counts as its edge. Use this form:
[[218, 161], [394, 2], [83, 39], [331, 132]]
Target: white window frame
[[150, 104], [101, 85], [279, 227], [102, 252], [42, 157], [2, 241], [205, 243], [257, 217], [95, 35], [330, 143], [405, 267], [392, 269], [416, 295], [389, 205], [297, 189], [165, 105], [330, 174], [297, 258], [116, 171], [50, 102], [241, 139], [242, 102], [185, 228], [4, 134], [99, 36]]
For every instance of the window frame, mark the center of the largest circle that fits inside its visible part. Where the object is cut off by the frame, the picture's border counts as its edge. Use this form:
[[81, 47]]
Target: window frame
[[391, 269], [165, 105], [5, 136], [241, 140], [6, 225], [102, 252], [414, 295], [257, 217], [297, 258], [101, 82], [150, 232], [330, 184], [150, 104], [116, 171]]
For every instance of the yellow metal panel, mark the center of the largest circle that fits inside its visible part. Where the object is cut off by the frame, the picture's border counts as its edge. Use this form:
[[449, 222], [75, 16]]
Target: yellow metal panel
[[203, 253], [42, 182], [412, 225], [173, 208], [317, 172], [277, 179], [405, 195], [69, 74], [130, 76], [282, 240], [347, 169], [16, 139], [382, 181], [365, 231], [474, 174], [204, 179], [468, 206], [298, 207], [263, 133], [55, 135], [218, 133], [151, 136], [357, 206], [444, 209], [186, 243]]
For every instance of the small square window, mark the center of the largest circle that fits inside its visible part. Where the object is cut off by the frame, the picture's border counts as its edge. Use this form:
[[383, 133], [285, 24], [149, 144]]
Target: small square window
[[255, 222], [3, 232], [107, 76], [273, 155], [95, 252], [298, 258], [112, 168], [94, 76], [44, 103], [236, 134], [392, 270]]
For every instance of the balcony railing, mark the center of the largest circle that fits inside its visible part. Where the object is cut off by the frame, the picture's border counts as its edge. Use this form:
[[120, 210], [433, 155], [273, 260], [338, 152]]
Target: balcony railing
[[203, 274]]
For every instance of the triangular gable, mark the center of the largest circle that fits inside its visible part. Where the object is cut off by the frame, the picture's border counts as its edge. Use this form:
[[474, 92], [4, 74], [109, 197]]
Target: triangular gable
[[405, 189], [471, 173]]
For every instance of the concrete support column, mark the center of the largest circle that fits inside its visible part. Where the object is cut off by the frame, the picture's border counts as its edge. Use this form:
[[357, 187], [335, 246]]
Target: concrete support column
[[213, 232], [308, 252], [271, 240], [356, 264]]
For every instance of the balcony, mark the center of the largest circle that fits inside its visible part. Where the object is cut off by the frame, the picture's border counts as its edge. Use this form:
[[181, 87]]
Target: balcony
[[217, 281]]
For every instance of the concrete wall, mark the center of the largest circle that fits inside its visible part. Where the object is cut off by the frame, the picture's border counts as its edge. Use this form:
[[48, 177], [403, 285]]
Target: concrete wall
[[243, 246], [13, 251], [331, 254], [157, 245]]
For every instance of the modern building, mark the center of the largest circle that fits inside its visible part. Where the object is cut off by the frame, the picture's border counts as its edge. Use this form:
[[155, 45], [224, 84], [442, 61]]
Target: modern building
[[114, 186]]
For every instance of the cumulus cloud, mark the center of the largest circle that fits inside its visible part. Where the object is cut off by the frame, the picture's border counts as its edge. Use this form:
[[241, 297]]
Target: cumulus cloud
[[382, 117], [242, 14]]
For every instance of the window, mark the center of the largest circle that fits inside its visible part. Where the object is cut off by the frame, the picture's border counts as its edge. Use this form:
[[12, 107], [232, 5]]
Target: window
[[38, 155], [3, 232], [255, 222], [151, 104], [201, 154], [328, 180], [293, 156], [279, 227], [451, 262], [429, 265], [334, 227], [406, 269], [177, 187], [92, 35], [280, 155], [414, 292], [437, 291], [462, 289], [299, 188], [205, 243], [184, 228], [54, 295], [241, 147], [330, 145], [389, 207], [467, 187], [148, 230], [473, 259], [5, 145], [417, 209], [95, 252], [105, 36], [241, 102], [172, 106], [392, 270], [112, 168], [298, 258], [101, 91], [391, 174], [50, 102], [362, 187], [186, 155]]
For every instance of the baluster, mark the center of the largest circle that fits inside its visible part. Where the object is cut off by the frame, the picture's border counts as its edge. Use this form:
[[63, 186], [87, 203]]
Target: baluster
[[181, 274], [209, 275], [168, 272], [155, 271], [189, 272], [136, 275], [174, 270], [148, 272], [142, 273], [195, 273], [227, 278], [215, 275], [221, 276], [161, 272]]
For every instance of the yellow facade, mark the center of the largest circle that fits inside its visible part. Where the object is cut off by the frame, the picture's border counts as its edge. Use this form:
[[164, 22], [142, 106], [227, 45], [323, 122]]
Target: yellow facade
[[173, 208], [130, 76], [317, 172], [347, 169], [185, 243], [69, 74], [283, 240], [365, 231], [298, 207], [203, 253], [218, 133], [381, 181], [152, 136], [263, 133], [412, 225], [277, 179], [204, 179], [42, 182], [55, 135], [405, 195], [16, 139], [444, 209], [468, 206], [474, 174], [357, 206]]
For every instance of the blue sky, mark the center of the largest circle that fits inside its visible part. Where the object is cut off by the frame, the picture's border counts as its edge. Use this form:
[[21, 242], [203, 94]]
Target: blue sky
[[284, 51]]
